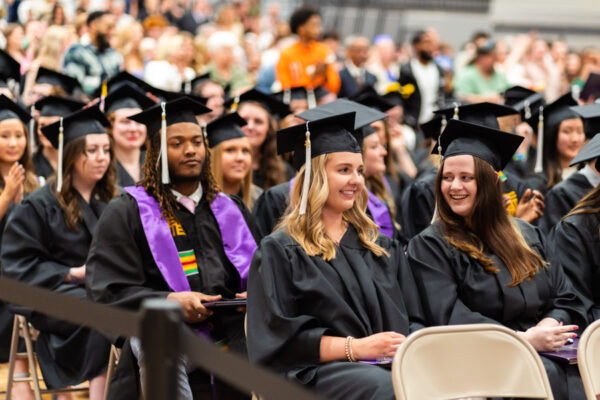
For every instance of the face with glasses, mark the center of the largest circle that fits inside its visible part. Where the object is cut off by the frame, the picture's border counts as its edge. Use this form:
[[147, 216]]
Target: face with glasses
[[128, 134], [93, 163]]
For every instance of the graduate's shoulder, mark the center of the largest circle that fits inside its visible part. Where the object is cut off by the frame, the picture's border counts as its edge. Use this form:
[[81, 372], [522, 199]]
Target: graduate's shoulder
[[42, 200], [583, 221], [278, 192], [430, 239], [279, 238]]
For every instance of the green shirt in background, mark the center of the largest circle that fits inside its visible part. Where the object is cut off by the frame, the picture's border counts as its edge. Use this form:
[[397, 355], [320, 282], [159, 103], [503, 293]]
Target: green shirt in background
[[470, 81]]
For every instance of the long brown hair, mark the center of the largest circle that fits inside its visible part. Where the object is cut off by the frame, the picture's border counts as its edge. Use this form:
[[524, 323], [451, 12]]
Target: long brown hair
[[216, 154], [162, 193], [308, 229], [490, 228], [552, 166], [104, 190], [270, 163], [30, 183], [589, 204]]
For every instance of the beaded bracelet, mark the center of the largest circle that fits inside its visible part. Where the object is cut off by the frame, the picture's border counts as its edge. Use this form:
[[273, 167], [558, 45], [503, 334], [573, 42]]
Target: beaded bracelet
[[351, 352], [348, 349]]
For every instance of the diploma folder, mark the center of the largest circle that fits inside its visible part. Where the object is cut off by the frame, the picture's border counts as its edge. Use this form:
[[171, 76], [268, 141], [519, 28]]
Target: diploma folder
[[566, 354], [225, 303]]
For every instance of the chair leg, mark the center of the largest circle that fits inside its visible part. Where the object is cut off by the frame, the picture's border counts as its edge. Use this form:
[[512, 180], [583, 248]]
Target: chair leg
[[32, 362], [112, 362], [14, 347]]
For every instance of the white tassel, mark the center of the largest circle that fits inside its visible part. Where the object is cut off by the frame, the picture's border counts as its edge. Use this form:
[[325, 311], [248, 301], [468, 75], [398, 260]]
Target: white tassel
[[311, 98], [61, 141], [32, 147], [287, 96], [307, 168], [163, 146], [235, 104], [455, 116], [539, 157]]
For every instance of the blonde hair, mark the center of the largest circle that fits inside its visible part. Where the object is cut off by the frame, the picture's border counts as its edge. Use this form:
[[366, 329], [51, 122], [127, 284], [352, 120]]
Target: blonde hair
[[123, 42], [308, 229], [50, 54], [217, 171]]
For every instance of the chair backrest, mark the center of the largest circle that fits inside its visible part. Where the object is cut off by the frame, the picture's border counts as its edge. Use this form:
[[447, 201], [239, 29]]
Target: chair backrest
[[588, 360], [458, 361]]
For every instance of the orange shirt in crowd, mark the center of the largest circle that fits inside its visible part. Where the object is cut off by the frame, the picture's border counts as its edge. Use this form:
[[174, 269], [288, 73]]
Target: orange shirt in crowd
[[296, 64]]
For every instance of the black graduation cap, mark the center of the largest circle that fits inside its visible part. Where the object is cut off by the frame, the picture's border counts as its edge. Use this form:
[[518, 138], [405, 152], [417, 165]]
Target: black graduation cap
[[516, 94], [432, 128], [225, 128], [114, 82], [275, 107], [590, 151], [9, 68], [54, 78], [190, 86], [485, 114], [591, 87], [9, 110], [591, 118], [183, 109], [394, 98], [300, 93], [127, 96], [367, 96], [55, 106], [331, 134], [195, 97], [529, 107], [80, 123], [494, 146], [364, 117], [558, 111]]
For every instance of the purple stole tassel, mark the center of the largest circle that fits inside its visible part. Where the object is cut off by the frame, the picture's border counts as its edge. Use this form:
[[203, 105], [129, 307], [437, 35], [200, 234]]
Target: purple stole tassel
[[238, 242], [379, 212]]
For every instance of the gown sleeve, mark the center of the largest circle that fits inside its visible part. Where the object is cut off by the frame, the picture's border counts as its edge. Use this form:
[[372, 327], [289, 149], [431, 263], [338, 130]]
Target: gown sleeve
[[115, 267], [410, 293], [268, 209], [277, 335], [25, 253], [418, 204], [434, 266]]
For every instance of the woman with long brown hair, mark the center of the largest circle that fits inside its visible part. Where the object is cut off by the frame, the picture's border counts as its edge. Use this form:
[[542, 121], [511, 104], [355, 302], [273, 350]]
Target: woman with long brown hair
[[231, 158], [576, 243], [259, 110], [47, 241], [326, 289], [475, 264]]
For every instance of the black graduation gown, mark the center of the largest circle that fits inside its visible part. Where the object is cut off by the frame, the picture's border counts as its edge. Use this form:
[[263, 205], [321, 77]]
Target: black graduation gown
[[270, 207], [122, 271], [123, 177], [576, 244], [294, 299], [562, 198], [38, 248], [455, 289], [522, 169], [259, 176], [418, 201], [42, 166]]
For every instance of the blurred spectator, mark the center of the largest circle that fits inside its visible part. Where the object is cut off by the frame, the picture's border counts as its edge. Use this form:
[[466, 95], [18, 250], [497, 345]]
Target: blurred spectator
[[128, 43], [332, 40], [422, 80], [480, 81], [154, 26], [15, 35], [96, 61], [383, 63], [464, 57], [223, 68], [354, 76], [173, 64], [57, 16], [307, 63], [215, 98]]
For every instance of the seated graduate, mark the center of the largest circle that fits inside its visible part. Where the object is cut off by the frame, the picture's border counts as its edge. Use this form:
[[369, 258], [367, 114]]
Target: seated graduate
[[272, 204], [520, 200], [475, 264], [576, 243], [231, 158], [51, 109], [561, 198], [562, 138], [128, 136], [326, 289], [46, 244], [17, 181], [202, 240], [262, 113]]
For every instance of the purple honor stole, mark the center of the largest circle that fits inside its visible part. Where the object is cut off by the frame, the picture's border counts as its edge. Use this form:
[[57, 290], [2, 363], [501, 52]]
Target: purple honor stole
[[379, 212]]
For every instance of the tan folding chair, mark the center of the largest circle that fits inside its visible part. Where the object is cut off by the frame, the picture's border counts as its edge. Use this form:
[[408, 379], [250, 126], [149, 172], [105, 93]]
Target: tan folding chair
[[460, 361], [588, 360], [23, 329], [113, 361]]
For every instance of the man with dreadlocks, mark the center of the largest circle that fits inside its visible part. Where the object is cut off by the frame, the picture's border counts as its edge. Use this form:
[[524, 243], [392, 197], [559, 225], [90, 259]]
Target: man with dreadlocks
[[177, 237]]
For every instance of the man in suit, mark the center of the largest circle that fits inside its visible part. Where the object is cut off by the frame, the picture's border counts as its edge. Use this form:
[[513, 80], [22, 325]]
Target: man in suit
[[422, 80], [354, 76]]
